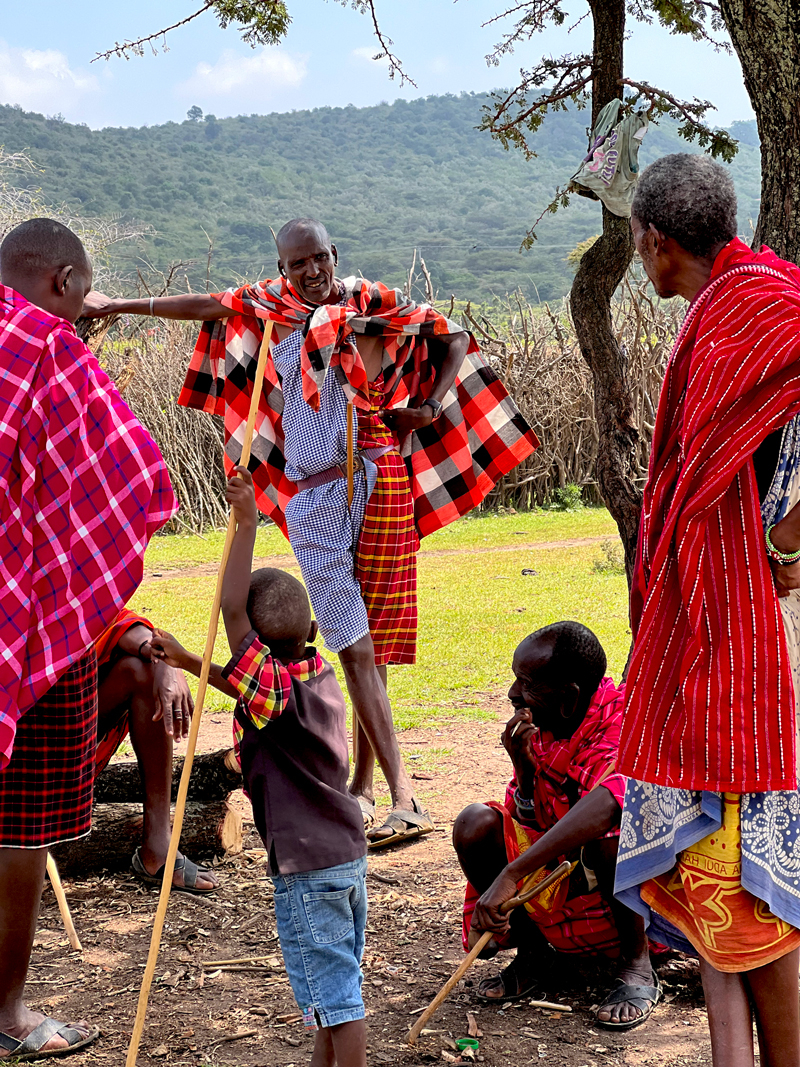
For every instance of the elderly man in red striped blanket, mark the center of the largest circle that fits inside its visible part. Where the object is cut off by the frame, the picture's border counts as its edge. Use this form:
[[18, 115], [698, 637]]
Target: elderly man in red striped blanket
[[435, 430], [83, 487], [710, 837]]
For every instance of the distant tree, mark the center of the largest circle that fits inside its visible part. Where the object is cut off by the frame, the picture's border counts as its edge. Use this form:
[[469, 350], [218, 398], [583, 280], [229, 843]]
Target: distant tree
[[194, 114]]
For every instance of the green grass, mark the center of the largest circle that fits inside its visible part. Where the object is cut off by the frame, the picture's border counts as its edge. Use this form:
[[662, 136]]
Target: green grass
[[474, 607], [485, 529]]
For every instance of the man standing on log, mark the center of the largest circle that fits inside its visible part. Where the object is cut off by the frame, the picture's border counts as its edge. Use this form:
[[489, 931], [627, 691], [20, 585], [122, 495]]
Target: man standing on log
[[82, 489], [435, 430]]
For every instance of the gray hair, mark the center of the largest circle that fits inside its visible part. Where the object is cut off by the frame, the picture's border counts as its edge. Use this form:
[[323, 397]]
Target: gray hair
[[690, 198]]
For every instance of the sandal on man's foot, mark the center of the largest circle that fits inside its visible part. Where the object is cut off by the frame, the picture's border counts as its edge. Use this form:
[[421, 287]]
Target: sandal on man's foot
[[404, 826], [368, 812], [643, 997], [513, 985], [32, 1047], [191, 872]]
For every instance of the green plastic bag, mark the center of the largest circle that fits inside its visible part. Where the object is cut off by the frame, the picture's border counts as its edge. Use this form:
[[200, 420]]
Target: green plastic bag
[[610, 170]]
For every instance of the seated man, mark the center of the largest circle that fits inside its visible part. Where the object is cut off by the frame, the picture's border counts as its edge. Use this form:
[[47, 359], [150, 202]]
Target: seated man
[[152, 702], [562, 741]]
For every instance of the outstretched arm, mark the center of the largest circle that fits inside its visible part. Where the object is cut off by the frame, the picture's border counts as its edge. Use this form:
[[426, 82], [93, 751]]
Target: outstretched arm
[[168, 650], [236, 584], [199, 306]]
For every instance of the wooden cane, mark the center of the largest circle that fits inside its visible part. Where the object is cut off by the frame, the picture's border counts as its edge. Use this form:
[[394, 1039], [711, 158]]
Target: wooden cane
[[350, 456], [509, 905], [63, 906], [180, 804]]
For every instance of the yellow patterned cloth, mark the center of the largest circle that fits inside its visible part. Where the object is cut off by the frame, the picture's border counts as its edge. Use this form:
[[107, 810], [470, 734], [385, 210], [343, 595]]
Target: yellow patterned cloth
[[703, 896]]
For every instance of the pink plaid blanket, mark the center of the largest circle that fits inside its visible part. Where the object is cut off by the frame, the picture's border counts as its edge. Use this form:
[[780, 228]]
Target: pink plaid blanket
[[83, 487]]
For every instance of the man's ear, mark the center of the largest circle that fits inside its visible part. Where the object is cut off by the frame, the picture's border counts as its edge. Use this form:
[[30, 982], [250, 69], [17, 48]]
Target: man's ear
[[335, 256], [313, 631], [281, 271], [571, 695], [62, 280]]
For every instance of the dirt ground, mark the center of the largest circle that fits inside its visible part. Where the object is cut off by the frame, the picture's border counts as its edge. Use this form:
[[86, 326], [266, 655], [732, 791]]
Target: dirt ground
[[246, 1017]]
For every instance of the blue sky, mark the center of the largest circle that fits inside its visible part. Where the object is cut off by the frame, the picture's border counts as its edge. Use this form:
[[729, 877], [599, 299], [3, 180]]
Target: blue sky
[[46, 61]]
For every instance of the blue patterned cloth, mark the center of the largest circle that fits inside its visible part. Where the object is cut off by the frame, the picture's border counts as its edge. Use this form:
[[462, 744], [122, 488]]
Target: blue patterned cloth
[[658, 822], [323, 531]]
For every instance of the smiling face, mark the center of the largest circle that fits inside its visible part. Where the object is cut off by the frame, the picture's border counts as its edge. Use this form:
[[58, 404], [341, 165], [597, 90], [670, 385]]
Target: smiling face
[[550, 705], [307, 261]]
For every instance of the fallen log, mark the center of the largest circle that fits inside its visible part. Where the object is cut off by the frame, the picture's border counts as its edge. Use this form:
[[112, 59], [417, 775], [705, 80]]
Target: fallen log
[[209, 829], [214, 776]]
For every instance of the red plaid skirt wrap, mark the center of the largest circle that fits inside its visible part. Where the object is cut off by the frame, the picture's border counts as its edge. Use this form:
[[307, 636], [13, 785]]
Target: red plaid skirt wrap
[[386, 556], [582, 923], [46, 788]]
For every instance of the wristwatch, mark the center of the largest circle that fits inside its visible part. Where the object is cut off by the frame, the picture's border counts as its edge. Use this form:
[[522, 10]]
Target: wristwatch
[[435, 406]]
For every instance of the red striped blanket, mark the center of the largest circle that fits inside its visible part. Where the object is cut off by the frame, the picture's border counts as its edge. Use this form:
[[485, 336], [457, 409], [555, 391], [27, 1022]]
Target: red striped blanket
[[479, 437], [710, 697]]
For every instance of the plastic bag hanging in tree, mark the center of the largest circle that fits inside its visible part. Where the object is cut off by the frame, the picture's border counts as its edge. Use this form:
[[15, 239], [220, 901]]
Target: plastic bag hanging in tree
[[610, 170]]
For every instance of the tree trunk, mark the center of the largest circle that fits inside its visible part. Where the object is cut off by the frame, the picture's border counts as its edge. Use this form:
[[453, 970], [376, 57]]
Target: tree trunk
[[213, 777], [766, 36], [208, 830], [601, 270]]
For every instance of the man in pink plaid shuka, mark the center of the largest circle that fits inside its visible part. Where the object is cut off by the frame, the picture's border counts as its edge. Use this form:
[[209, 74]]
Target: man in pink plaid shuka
[[83, 487]]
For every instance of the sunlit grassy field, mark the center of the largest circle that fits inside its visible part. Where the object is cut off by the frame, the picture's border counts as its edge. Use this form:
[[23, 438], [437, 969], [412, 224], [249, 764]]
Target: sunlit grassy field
[[474, 602]]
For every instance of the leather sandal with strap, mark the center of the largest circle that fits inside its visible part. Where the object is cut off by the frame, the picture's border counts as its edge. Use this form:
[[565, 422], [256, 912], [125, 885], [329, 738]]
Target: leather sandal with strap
[[643, 997], [191, 872], [32, 1046], [405, 826]]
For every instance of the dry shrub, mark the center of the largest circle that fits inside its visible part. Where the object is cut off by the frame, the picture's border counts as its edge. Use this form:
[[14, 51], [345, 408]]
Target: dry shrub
[[535, 352], [147, 359]]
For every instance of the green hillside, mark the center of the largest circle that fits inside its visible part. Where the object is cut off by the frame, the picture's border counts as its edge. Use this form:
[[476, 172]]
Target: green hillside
[[385, 179]]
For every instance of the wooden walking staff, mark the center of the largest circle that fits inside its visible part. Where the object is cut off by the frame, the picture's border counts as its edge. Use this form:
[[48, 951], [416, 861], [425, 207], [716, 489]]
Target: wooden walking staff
[[180, 804], [63, 907], [514, 902]]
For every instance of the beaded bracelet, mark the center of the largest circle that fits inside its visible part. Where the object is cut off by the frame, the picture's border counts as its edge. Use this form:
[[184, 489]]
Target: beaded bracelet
[[786, 559], [522, 803]]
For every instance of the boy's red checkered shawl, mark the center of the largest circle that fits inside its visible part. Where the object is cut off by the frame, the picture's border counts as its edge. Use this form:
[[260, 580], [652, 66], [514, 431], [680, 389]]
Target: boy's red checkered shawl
[[82, 489], [710, 697], [479, 437]]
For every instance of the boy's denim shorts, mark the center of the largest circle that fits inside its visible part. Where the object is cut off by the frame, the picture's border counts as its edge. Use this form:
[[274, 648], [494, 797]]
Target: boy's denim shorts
[[321, 917]]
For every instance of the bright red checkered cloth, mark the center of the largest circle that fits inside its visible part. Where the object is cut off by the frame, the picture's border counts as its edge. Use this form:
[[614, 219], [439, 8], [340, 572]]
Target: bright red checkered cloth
[[453, 463], [710, 695], [566, 770], [83, 487]]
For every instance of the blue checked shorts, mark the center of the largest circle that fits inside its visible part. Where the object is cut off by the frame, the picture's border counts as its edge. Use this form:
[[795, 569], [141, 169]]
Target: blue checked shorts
[[321, 917]]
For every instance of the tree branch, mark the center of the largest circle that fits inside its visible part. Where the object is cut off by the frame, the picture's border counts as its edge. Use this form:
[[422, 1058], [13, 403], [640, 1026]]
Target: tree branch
[[720, 142], [367, 7], [136, 48]]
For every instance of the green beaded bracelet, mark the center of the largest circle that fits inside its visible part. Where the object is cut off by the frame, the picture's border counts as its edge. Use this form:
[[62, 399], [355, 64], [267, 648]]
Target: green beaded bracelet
[[786, 559]]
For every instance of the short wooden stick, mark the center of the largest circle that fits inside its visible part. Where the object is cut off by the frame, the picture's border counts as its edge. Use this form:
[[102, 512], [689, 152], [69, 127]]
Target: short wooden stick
[[466, 963], [191, 744], [63, 906]]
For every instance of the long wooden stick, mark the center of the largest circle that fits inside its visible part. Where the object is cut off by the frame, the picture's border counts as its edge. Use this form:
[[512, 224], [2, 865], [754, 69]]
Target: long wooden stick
[[63, 906], [514, 902], [350, 456], [180, 804]]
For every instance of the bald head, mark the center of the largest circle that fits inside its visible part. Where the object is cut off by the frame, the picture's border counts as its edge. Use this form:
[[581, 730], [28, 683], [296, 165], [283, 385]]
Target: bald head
[[279, 610], [41, 246], [47, 264], [306, 259]]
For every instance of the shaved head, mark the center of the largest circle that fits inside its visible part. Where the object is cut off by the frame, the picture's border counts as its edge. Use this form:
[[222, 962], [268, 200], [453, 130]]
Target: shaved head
[[301, 228], [278, 608], [41, 246]]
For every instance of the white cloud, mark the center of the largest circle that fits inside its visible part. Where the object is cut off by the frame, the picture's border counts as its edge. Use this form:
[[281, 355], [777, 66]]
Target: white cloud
[[42, 80], [264, 73]]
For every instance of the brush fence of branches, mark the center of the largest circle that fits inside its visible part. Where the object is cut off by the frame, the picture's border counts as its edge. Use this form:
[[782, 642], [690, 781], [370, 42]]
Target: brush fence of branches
[[535, 352], [532, 348]]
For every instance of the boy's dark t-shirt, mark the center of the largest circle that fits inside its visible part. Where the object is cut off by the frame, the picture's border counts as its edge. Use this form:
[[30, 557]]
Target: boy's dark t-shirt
[[292, 744]]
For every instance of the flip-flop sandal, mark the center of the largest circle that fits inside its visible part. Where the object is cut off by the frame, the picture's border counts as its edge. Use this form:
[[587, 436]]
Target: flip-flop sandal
[[405, 826], [191, 872], [507, 997], [368, 811], [29, 1048], [643, 997]]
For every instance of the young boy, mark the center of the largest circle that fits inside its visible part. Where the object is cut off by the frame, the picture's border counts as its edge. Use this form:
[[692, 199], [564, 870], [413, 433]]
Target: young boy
[[289, 726]]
